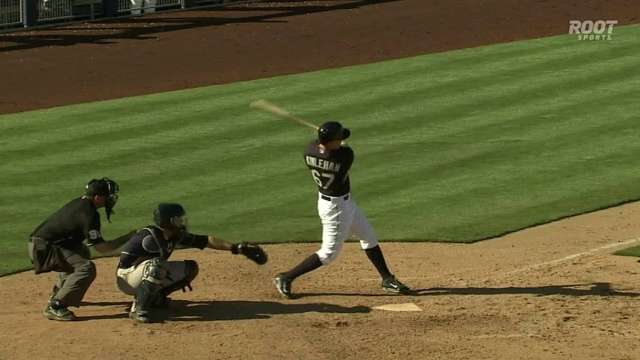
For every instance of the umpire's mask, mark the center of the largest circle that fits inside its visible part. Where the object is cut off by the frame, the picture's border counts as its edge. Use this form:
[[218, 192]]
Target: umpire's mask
[[104, 187]]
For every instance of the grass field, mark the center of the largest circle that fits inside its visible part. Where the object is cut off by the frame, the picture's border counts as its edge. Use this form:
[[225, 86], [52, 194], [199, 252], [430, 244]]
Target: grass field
[[633, 251], [457, 146]]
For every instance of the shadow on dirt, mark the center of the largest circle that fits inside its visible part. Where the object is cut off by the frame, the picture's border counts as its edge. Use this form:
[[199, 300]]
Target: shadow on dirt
[[106, 303], [185, 310], [122, 315], [182, 310], [144, 28], [593, 289]]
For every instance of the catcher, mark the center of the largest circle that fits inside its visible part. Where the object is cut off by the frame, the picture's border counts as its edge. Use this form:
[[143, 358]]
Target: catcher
[[144, 270]]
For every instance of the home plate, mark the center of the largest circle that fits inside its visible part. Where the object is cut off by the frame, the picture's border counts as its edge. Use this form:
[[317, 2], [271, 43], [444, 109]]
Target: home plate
[[399, 307]]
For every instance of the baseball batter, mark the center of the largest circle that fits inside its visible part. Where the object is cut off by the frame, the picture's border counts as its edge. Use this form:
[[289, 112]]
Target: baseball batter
[[329, 161], [144, 270]]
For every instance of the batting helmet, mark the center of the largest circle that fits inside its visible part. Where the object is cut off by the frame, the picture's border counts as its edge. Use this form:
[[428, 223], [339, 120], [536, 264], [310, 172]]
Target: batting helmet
[[332, 130], [104, 187], [170, 214]]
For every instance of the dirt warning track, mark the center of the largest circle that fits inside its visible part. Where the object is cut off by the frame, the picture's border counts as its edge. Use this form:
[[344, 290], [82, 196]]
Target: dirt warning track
[[179, 50]]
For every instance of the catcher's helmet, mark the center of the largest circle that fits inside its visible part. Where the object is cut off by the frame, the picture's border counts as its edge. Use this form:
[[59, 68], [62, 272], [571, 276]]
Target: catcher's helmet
[[170, 214], [104, 187], [332, 130]]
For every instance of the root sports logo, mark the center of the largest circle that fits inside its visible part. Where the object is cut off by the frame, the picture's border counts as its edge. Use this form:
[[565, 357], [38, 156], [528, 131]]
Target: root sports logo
[[592, 30]]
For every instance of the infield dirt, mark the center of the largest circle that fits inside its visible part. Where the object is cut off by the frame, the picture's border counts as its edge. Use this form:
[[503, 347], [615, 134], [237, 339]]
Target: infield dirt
[[497, 299], [543, 293]]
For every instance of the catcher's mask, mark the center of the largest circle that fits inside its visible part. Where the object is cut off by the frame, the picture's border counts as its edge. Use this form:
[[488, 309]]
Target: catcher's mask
[[107, 188], [332, 130], [170, 215]]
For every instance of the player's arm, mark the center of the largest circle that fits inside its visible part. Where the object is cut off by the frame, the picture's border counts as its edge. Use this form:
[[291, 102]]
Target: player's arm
[[207, 241], [91, 225], [251, 251], [346, 161], [219, 244], [107, 246]]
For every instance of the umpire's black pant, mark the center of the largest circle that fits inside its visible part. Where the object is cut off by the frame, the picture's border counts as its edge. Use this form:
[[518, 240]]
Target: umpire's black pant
[[71, 287]]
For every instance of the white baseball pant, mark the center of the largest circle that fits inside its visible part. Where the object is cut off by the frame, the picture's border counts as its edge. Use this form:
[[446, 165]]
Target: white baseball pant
[[129, 279], [341, 219]]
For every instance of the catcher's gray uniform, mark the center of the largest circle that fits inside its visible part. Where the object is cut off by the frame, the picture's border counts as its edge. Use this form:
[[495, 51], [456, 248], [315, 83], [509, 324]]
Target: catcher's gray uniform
[[145, 257], [144, 270]]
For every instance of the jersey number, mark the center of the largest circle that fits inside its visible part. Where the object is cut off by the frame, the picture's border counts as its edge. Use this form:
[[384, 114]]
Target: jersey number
[[319, 177]]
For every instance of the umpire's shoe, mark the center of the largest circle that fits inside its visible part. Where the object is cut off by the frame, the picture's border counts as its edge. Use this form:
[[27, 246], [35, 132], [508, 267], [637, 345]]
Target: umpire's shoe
[[58, 311], [392, 285], [283, 285]]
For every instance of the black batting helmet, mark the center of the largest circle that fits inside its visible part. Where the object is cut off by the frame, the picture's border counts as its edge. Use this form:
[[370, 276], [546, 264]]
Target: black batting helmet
[[170, 215], [332, 130]]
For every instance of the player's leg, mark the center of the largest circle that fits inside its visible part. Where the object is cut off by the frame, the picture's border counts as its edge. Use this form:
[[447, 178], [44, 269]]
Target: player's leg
[[148, 280], [72, 286], [136, 6], [149, 6], [363, 231], [180, 274], [335, 227], [59, 281]]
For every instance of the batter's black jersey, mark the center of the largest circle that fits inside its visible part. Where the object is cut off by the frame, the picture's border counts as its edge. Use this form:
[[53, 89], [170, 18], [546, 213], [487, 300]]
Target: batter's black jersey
[[329, 168], [150, 243], [72, 224]]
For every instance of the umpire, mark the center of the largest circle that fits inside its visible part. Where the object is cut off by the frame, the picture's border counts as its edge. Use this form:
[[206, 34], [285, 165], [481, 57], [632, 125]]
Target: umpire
[[58, 245]]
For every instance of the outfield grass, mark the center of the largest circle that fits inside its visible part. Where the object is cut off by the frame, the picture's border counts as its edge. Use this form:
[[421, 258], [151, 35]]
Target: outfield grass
[[633, 251], [457, 146]]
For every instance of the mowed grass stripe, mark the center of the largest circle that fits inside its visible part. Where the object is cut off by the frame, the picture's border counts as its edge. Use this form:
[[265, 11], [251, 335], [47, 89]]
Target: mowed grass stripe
[[178, 126], [166, 114], [371, 80], [455, 146]]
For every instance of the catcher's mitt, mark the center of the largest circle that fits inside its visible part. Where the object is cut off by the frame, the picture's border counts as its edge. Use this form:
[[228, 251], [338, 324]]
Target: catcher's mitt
[[252, 251]]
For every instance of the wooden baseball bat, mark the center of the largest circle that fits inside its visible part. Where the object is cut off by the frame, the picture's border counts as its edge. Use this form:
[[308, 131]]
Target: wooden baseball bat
[[280, 112]]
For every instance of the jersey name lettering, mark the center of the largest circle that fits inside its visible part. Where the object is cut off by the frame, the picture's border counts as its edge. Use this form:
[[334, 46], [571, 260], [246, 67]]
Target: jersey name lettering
[[322, 164]]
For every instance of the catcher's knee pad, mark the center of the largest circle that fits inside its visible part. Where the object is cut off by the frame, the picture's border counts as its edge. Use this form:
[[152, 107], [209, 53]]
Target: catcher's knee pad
[[154, 271], [328, 254], [190, 270]]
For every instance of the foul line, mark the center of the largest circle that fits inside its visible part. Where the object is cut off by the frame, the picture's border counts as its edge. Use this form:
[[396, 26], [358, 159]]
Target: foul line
[[574, 256], [548, 263]]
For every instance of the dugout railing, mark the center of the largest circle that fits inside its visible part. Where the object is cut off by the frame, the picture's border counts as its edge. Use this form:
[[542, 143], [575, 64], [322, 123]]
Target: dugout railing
[[18, 14]]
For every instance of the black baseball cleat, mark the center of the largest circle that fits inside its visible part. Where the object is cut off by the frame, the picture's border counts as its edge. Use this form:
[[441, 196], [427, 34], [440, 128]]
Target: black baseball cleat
[[283, 285], [57, 311], [161, 302], [392, 285], [140, 317]]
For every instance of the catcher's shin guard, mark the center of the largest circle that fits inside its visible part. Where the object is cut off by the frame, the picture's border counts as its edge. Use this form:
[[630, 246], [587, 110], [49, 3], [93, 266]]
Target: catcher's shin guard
[[191, 271], [145, 296]]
